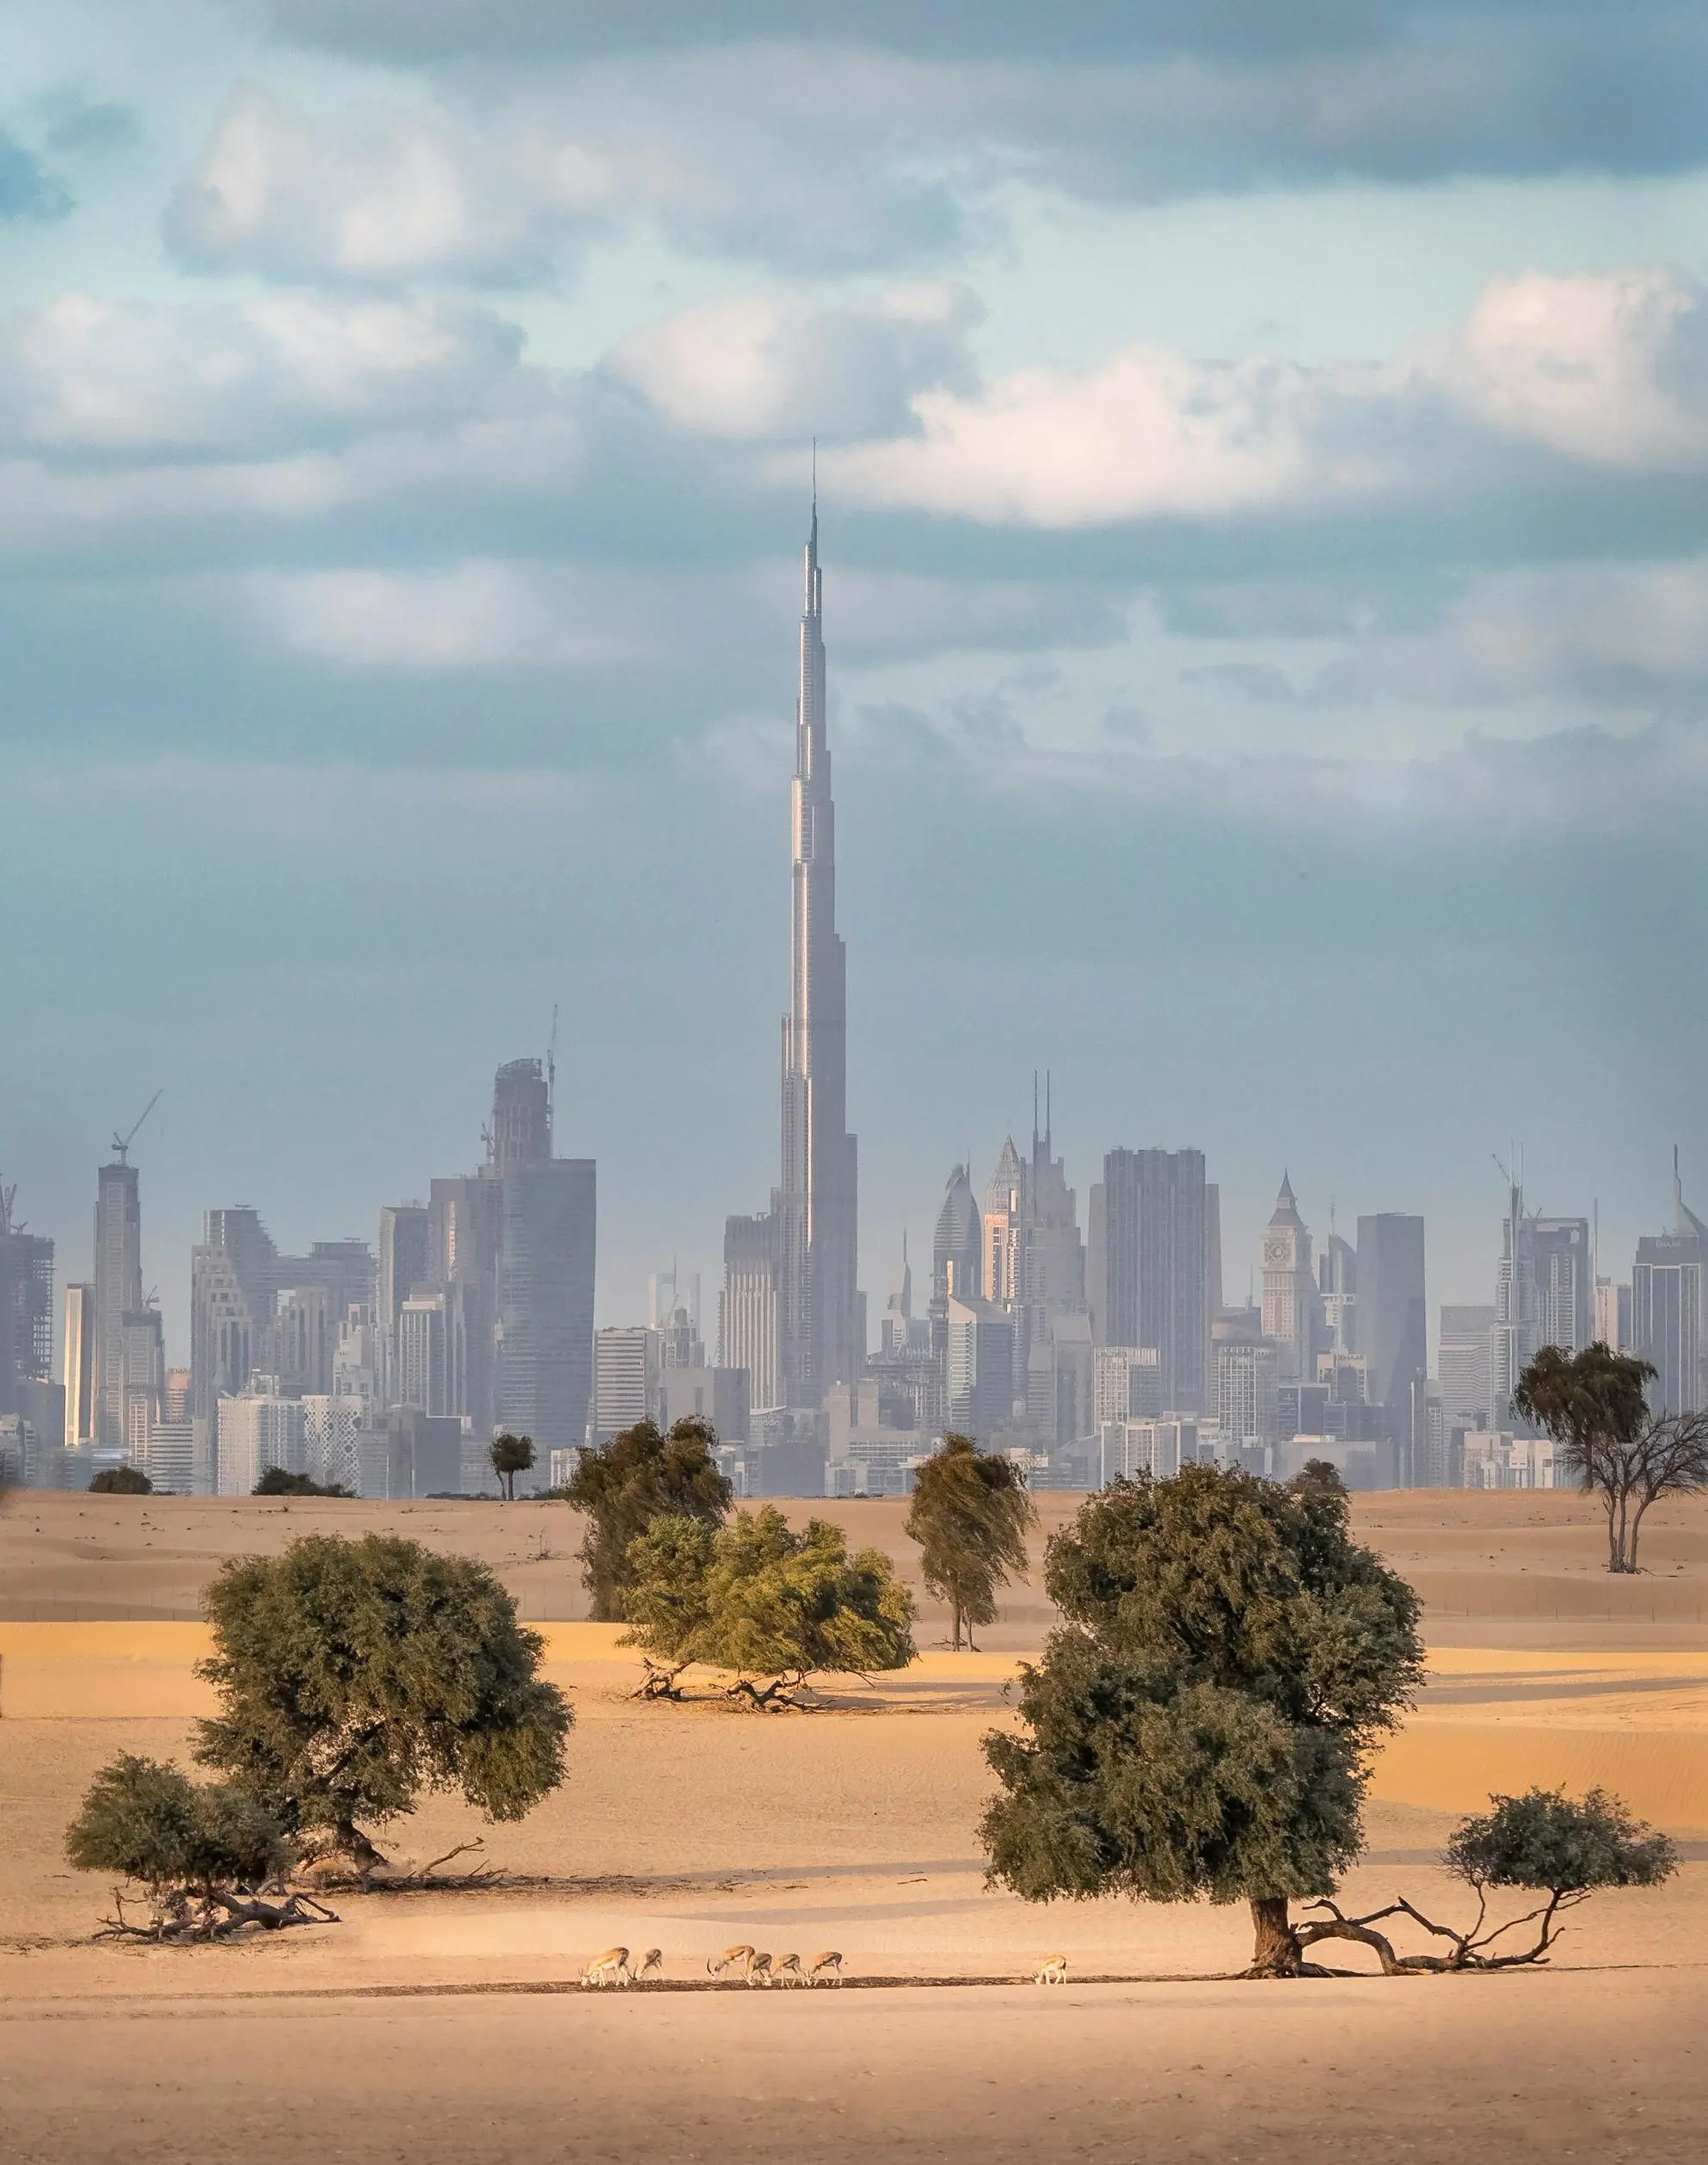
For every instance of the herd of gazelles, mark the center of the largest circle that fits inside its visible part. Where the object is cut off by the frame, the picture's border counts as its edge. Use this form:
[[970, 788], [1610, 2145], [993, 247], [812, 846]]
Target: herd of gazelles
[[755, 1967]]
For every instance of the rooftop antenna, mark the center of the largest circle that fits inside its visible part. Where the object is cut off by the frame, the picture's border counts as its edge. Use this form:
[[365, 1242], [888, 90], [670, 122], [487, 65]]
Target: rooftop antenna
[[121, 1144]]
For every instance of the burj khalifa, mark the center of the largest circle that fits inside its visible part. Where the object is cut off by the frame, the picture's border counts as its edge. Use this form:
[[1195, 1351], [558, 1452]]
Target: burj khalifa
[[816, 1206]]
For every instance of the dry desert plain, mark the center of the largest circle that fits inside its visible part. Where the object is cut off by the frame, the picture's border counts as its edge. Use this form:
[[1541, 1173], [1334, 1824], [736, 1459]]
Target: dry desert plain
[[434, 2026]]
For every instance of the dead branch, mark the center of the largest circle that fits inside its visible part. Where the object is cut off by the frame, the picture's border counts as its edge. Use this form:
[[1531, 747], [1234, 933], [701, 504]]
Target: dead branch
[[660, 1681], [1471, 1949], [776, 1697], [181, 1918]]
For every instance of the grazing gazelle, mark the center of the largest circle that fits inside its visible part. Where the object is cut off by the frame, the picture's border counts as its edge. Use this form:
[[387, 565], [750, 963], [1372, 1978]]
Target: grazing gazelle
[[611, 1967], [1054, 1971], [652, 1963], [759, 1970], [827, 1969], [788, 1971], [732, 1958]]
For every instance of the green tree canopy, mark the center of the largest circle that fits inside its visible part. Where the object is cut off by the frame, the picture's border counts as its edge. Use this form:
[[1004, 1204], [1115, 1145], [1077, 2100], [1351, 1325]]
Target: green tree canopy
[[120, 1480], [147, 1820], [1595, 1405], [970, 1515], [1199, 1724], [353, 1674], [510, 1455], [758, 1598], [277, 1482], [637, 1477]]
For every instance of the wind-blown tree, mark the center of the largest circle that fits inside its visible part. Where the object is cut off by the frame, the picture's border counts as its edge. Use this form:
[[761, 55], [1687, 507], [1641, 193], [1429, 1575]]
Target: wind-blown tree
[[355, 1674], [970, 1515], [1543, 1841], [641, 1475], [1201, 1723], [510, 1455], [200, 1851], [759, 1599], [1595, 1405]]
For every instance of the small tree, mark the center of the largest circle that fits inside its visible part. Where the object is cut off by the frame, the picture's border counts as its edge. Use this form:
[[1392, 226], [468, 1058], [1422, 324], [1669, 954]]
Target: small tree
[[1319, 1473], [755, 1597], [970, 1516], [510, 1455], [355, 1674], [1543, 1841], [199, 1850], [1595, 1404], [277, 1482], [637, 1477], [1201, 1723], [120, 1480]]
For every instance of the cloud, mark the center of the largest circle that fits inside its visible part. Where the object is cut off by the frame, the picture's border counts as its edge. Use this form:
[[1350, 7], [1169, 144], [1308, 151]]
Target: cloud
[[1121, 101], [90, 376], [26, 189], [1606, 372], [378, 194], [476, 615], [498, 181], [779, 365]]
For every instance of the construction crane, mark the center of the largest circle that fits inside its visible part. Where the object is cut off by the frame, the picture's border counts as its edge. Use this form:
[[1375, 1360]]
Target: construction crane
[[122, 1143]]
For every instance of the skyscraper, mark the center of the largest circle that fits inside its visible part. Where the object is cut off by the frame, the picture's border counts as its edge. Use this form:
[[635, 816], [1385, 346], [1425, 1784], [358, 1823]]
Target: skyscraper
[[118, 1292], [1148, 1270], [819, 1328], [1393, 1326], [1669, 1308], [79, 1368], [750, 1304], [1290, 1298], [26, 1306]]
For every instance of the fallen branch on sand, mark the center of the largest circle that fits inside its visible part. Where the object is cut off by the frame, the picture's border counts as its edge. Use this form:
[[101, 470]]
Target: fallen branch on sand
[[181, 1917]]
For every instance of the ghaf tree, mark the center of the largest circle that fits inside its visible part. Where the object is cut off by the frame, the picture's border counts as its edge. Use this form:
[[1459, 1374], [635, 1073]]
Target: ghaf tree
[[756, 1598], [355, 1674], [641, 1475], [1199, 1723], [1595, 1405], [970, 1515], [509, 1456]]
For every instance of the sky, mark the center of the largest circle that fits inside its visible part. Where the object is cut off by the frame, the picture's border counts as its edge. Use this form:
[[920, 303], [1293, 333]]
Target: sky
[[1263, 458]]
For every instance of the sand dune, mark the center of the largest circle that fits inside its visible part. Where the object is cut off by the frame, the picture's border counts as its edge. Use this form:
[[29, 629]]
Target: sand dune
[[437, 2026]]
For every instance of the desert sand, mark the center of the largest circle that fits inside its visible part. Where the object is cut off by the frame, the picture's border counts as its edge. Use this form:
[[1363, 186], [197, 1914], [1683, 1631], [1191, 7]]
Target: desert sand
[[435, 2025]]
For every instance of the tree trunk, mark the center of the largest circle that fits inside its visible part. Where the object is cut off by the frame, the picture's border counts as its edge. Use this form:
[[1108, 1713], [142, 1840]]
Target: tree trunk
[[1276, 1950], [956, 1612]]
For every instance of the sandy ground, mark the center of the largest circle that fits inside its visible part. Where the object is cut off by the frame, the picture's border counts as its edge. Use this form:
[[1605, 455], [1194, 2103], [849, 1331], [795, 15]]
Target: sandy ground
[[441, 2025]]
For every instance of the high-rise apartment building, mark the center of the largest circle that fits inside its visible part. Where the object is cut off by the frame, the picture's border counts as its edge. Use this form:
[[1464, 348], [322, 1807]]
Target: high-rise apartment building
[[78, 1368], [118, 1293], [820, 1332], [1562, 1267], [418, 1372], [1669, 1309], [1147, 1270], [750, 1306], [1337, 1289], [1613, 1315], [979, 1367], [625, 1379], [401, 1266], [1464, 1367], [1248, 1393], [144, 1354], [1393, 1315]]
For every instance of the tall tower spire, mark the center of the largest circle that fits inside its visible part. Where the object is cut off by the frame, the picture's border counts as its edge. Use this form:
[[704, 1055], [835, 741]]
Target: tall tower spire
[[816, 1204]]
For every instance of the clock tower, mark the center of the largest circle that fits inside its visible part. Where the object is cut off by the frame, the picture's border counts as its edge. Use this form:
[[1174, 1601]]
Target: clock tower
[[1290, 1305]]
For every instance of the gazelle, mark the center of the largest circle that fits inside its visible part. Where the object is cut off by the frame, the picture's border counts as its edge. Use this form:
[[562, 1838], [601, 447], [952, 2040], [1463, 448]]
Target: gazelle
[[788, 1971], [729, 1960], [1054, 1971], [759, 1970], [652, 1963], [612, 1966], [827, 1969]]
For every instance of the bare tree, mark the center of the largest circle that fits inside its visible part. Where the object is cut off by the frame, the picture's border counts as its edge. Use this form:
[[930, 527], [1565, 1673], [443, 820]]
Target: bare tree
[[1595, 1404]]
